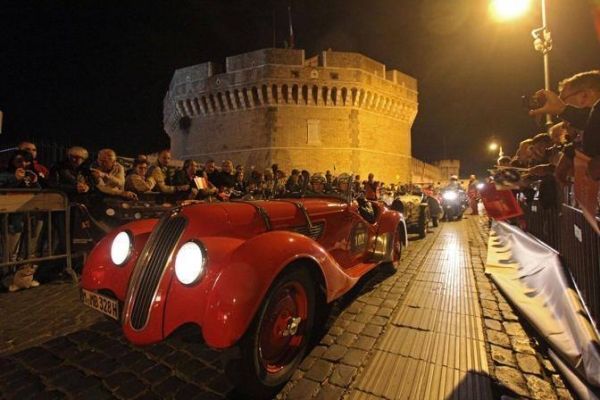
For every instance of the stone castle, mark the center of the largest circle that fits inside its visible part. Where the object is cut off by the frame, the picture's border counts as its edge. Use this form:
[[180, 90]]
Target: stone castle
[[335, 111]]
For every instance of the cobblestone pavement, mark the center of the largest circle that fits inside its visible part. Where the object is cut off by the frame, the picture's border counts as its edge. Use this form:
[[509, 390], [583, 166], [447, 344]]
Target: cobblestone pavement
[[54, 347]]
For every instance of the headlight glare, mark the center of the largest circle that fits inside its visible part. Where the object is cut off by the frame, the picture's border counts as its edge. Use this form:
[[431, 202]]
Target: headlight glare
[[120, 250], [189, 263], [451, 195]]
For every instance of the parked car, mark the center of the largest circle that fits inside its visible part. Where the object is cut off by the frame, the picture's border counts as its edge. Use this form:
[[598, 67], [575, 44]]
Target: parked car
[[252, 275], [415, 208]]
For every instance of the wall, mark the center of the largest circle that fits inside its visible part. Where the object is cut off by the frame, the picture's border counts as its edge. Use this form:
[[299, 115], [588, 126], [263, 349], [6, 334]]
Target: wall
[[273, 106]]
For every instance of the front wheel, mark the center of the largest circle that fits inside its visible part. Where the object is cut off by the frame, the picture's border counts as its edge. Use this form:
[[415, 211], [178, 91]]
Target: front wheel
[[279, 335]]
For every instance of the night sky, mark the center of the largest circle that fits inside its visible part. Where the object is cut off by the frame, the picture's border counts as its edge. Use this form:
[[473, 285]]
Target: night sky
[[95, 72]]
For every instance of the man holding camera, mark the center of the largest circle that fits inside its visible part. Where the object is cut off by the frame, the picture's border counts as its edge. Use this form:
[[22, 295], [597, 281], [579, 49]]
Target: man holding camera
[[578, 105]]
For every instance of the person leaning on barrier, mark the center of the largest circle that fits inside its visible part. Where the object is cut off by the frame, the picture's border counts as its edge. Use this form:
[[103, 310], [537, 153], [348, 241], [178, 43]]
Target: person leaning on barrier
[[20, 172], [578, 104], [137, 181], [212, 173], [522, 157], [72, 174], [186, 177], [160, 173], [540, 159], [503, 161], [109, 175], [39, 169]]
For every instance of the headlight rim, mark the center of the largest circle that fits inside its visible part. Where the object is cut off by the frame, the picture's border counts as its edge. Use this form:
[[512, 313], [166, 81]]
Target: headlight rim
[[198, 278], [129, 251]]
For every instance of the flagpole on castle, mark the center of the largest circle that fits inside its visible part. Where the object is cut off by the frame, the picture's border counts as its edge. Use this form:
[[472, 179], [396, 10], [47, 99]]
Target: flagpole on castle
[[291, 43]]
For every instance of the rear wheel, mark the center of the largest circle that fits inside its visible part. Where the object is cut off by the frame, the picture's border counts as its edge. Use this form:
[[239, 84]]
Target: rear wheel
[[279, 335]]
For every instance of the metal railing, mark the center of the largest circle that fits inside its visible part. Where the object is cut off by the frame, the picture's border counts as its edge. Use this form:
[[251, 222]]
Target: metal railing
[[29, 222], [566, 230]]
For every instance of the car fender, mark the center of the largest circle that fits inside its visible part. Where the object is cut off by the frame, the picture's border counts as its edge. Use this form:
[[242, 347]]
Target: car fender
[[391, 221], [242, 285], [99, 272]]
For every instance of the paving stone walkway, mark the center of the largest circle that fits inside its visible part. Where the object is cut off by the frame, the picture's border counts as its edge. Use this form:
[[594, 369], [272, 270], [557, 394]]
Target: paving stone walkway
[[432, 327]]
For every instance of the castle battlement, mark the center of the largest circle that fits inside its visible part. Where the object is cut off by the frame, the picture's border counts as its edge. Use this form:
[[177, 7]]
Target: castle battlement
[[284, 102]]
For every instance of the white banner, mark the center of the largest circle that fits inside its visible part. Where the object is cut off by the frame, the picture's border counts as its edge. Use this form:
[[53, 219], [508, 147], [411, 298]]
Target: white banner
[[531, 275]]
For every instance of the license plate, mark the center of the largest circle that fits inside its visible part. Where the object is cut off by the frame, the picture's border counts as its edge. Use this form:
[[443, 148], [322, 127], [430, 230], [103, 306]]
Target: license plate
[[104, 304]]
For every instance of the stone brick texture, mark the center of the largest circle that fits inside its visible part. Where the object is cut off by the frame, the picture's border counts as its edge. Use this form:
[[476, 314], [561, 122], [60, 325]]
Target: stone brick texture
[[338, 110]]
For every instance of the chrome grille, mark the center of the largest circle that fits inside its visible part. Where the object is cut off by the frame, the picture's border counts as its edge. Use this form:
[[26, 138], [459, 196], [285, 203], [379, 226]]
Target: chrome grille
[[313, 232], [152, 264]]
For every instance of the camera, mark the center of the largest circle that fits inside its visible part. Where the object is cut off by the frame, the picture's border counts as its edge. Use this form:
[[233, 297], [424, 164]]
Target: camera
[[566, 148], [532, 102]]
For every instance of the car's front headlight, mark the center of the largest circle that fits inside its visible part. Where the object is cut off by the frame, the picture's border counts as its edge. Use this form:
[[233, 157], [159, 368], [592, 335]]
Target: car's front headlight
[[121, 248], [189, 263], [450, 195]]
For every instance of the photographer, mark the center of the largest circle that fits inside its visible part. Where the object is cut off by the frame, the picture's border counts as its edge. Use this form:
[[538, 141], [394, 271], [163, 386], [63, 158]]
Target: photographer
[[578, 105]]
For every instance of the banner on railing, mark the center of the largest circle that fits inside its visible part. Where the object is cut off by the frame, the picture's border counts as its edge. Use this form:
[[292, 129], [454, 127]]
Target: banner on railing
[[586, 190], [499, 204], [531, 276]]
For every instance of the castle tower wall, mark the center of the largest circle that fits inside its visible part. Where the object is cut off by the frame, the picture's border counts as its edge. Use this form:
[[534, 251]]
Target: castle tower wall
[[338, 110]]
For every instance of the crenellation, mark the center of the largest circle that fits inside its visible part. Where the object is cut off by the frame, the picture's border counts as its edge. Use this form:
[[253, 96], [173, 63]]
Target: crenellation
[[272, 105]]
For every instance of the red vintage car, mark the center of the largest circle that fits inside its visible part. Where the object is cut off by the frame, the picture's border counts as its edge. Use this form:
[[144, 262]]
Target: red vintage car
[[249, 274]]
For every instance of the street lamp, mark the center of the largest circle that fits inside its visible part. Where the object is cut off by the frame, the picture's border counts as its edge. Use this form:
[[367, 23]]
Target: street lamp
[[503, 10], [542, 39], [494, 146]]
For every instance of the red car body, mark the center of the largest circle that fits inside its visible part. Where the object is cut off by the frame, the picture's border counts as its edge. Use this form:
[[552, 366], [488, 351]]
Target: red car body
[[247, 245]]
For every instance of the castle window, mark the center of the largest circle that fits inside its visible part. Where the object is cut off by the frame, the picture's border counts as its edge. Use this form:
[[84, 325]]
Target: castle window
[[334, 75], [285, 93], [255, 97], [221, 102], [334, 95], [315, 94], [305, 94], [295, 74], [313, 132]]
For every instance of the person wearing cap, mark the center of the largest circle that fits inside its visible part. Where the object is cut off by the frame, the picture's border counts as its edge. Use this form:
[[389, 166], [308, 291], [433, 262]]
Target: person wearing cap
[[71, 175]]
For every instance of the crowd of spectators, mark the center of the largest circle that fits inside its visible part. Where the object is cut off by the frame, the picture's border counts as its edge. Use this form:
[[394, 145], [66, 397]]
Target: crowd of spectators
[[544, 163], [93, 183]]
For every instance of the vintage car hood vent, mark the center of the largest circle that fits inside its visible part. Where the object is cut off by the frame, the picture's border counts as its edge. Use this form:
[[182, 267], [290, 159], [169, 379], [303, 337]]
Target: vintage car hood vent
[[313, 231], [151, 265]]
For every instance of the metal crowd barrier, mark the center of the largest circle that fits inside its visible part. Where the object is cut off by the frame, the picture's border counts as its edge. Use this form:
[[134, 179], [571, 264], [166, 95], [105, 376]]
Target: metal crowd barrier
[[33, 213], [566, 230]]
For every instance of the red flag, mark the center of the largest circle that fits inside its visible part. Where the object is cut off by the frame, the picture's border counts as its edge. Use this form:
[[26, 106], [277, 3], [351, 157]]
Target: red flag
[[586, 190], [499, 204]]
